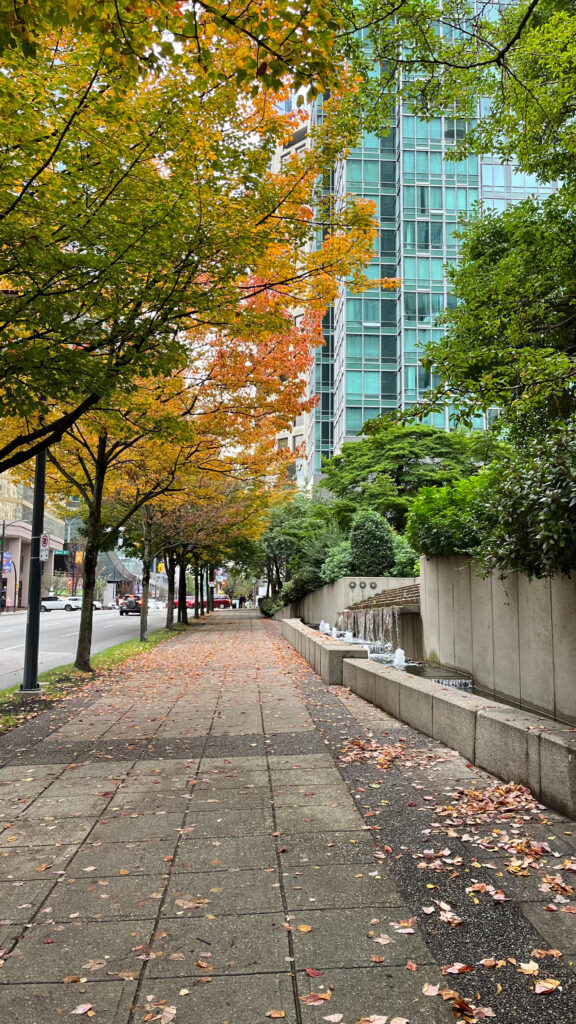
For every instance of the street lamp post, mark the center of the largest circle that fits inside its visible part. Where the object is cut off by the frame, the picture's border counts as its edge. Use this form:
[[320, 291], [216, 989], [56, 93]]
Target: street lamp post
[[30, 683]]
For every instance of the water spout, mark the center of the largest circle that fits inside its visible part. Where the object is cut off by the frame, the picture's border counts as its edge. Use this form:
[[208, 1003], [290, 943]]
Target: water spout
[[399, 658]]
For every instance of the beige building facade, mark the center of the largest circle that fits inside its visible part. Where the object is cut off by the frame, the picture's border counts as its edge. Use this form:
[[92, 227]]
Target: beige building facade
[[16, 531]]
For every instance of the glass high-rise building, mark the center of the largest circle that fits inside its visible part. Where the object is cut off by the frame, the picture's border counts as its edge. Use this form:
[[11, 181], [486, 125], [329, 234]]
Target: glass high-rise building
[[370, 361]]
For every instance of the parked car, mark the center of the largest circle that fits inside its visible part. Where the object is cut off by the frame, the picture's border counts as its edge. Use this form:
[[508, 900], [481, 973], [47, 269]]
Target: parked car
[[70, 604], [131, 604], [97, 606], [220, 601]]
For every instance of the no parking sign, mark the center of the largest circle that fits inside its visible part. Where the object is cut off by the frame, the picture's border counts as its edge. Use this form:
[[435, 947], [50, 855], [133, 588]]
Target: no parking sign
[[44, 547]]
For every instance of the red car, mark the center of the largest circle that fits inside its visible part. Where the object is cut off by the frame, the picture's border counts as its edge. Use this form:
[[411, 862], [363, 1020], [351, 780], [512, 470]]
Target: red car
[[220, 601]]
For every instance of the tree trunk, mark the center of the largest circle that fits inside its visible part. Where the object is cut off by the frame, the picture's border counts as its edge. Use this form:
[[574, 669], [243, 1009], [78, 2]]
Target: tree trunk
[[91, 552], [196, 591], [201, 591], [147, 555], [170, 563], [209, 591], [182, 610]]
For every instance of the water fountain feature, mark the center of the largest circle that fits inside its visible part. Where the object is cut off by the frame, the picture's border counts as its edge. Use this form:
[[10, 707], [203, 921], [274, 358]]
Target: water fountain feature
[[377, 630]]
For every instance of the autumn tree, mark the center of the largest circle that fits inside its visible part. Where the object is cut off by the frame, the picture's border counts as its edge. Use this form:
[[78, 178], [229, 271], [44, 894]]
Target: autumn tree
[[132, 212]]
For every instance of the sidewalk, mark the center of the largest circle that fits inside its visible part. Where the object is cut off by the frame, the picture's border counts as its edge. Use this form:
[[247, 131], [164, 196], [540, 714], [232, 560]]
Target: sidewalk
[[212, 834]]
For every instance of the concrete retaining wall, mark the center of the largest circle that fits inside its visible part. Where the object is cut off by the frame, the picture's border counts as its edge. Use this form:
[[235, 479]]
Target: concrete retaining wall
[[322, 653], [516, 637], [326, 602], [512, 744]]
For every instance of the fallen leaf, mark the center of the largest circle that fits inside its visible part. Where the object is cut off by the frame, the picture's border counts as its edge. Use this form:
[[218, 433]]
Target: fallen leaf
[[312, 973], [304, 927], [276, 1014], [430, 990], [412, 966], [316, 998], [545, 985], [530, 968], [334, 1018], [455, 968], [82, 1008], [71, 979], [184, 991]]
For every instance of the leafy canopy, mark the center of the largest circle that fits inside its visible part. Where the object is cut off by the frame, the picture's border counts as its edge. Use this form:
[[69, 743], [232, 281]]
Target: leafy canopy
[[388, 465]]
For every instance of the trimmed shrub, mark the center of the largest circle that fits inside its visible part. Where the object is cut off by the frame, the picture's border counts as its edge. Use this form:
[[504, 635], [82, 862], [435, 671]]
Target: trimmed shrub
[[371, 544]]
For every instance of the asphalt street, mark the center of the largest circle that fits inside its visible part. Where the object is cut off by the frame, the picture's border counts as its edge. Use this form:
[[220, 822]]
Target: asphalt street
[[58, 637]]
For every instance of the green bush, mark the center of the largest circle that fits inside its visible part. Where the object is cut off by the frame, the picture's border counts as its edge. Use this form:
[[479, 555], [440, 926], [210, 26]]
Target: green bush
[[297, 588], [451, 520], [371, 544], [405, 558], [533, 508], [338, 563], [270, 605]]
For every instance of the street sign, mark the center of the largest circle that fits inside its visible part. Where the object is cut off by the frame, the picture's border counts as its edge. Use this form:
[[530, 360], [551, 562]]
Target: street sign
[[61, 552], [44, 547], [6, 562], [79, 558]]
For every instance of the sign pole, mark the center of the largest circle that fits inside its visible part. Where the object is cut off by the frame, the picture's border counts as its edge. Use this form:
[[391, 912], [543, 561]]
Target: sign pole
[[30, 683]]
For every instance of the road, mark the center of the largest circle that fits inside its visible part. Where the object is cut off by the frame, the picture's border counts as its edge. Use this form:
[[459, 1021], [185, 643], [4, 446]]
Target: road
[[58, 637]]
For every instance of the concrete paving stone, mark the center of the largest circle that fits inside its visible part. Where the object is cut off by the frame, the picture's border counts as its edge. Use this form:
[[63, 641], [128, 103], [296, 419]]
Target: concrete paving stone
[[305, 777], [378, 991], [222, 765], [152, 856], [327, 848], [201, 854], [174, 749], [247, 944], [234, 891], [19, 903], [300, 761], [212, 781], [337, 794], [146, 800], [113, 771], [126, 828], [345, 938], [96, 898], [34, 862], [338, 885], [44, 833], [230, 799], [318, 818], [51, 952], [73, 804], [164, 769], [28, 773], [558, 930], [227, 823], [226, 1000], [46, 1003]]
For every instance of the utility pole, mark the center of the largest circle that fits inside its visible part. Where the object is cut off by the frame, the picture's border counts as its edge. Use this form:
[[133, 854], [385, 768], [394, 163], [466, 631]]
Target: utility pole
[[2, 543], [30, 683]]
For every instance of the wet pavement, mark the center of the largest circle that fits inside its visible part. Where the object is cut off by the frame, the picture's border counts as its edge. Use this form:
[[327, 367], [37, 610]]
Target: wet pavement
[[211, 835]]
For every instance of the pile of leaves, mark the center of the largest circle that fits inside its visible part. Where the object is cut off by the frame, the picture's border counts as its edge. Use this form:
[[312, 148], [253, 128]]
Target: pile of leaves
[[360, 751], [501, 799]]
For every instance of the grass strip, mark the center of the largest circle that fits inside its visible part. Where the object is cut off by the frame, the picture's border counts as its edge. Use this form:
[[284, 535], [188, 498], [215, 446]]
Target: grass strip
[[59, 682]]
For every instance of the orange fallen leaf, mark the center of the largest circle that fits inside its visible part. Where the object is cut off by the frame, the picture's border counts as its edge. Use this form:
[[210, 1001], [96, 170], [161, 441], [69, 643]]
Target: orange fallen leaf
[[276, 1014], [304, 927]]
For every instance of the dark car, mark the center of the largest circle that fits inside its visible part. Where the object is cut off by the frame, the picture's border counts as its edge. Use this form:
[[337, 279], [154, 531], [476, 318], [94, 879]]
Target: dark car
[[131, 604]]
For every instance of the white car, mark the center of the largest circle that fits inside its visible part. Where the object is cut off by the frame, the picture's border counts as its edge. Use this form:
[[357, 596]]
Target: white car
[[69, 604]]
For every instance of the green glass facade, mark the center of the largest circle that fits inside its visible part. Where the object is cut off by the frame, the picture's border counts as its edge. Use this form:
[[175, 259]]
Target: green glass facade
[[371, 363]]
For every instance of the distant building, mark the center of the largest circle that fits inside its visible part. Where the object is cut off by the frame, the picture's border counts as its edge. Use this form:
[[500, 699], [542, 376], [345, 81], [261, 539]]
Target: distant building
[[370, 362], [16, 529]]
